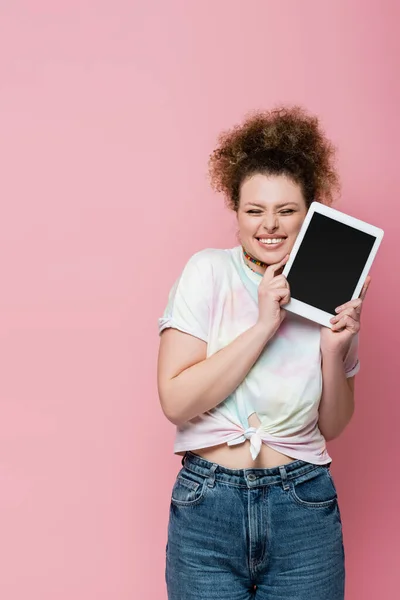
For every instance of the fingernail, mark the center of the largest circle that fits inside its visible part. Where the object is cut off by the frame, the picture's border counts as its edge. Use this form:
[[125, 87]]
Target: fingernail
[[338, 309]]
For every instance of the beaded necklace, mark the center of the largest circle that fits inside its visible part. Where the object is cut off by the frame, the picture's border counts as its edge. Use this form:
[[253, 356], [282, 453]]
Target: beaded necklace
[[259, 263]]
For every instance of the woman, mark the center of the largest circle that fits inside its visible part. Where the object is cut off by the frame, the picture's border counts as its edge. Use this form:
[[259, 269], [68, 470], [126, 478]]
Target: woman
[[255, 391]]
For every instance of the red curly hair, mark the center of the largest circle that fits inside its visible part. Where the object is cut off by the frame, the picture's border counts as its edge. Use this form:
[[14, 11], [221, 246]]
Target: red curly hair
[[284, 141]]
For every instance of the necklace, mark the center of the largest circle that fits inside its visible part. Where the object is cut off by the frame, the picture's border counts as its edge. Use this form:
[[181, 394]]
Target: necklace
[[254, 271], [259, 263]]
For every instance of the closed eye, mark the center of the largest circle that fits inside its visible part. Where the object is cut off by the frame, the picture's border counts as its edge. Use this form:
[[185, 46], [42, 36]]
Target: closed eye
[[254, 211]]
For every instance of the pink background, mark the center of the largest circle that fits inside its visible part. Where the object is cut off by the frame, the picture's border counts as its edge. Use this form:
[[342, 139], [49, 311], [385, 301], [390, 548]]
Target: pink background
[[108, 111]]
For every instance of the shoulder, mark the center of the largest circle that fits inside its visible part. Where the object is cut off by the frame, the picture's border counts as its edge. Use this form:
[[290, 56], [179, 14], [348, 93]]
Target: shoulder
[[210, 261]]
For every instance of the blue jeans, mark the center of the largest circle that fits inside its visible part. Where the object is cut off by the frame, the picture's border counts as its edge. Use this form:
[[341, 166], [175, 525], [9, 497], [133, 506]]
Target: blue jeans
[[269, 534]]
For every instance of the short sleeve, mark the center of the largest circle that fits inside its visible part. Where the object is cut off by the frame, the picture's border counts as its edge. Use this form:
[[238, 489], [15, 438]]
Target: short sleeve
[[189, 300], [351, 361]]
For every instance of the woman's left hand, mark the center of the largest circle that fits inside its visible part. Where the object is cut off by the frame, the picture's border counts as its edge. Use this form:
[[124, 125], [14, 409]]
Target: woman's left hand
[[345, 325]]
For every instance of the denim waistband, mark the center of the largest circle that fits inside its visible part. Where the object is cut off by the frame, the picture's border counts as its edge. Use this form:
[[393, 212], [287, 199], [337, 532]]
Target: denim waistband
[[252, 476]]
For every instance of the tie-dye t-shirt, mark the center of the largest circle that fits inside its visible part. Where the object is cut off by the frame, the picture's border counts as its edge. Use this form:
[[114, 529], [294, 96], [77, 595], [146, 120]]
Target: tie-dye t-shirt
[[215, 299]]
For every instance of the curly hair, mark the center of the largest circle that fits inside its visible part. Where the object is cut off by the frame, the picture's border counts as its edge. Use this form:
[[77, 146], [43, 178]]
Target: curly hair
[[284, 141]]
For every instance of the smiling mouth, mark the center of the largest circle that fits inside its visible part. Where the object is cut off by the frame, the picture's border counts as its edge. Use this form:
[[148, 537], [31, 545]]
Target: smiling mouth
[[271, 241]]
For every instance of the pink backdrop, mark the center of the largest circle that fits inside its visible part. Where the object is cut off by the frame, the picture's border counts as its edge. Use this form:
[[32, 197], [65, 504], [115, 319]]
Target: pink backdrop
[[108, 111]]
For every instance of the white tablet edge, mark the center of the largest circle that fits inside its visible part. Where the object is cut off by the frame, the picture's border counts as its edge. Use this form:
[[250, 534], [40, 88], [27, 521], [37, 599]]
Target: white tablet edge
[[311, 312]]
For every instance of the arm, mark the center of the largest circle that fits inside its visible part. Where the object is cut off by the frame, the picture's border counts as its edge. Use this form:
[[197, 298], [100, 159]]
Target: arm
[[337, 402], [190, 384]]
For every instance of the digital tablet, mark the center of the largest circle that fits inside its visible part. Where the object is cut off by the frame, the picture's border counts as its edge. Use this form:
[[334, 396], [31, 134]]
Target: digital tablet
[[329, 262]]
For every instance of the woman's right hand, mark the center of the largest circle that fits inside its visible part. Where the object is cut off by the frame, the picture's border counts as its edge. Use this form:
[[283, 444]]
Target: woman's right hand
[[273, 294]]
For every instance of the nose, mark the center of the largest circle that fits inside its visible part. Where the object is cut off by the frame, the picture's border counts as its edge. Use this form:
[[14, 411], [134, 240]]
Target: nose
[[271, 223]]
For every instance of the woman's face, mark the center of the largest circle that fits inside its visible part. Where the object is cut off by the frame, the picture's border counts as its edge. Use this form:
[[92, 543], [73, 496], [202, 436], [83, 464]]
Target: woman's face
[[271, 211]]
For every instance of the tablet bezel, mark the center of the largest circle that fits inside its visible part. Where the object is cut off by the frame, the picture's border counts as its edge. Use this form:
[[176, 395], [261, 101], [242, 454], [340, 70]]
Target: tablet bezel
[[307, 310]]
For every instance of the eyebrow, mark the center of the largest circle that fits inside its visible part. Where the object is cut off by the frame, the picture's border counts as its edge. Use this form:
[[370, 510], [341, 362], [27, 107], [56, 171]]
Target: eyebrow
[[276, 206]]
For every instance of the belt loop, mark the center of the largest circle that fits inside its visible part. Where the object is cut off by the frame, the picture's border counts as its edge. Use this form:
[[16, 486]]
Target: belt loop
[[211, 477], [283, 473], [183, 459]]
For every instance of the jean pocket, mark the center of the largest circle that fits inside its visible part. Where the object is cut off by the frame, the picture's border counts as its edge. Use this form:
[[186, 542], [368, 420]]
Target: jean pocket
[[316, 489], [189, 488]]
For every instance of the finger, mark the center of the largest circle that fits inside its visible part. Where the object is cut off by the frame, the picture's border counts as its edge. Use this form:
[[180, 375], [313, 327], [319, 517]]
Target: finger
[[365, 288], [353, 304], [351, 312], [348, 323], [283, 296], [272, 269], [278, 281], [357, 302]]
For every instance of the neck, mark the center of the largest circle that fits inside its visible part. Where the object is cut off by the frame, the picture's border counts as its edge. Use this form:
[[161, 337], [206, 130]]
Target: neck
[[254, 262]]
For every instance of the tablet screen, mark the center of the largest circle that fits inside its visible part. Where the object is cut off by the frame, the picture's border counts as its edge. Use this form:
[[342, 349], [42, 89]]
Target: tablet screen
[[329, 263]]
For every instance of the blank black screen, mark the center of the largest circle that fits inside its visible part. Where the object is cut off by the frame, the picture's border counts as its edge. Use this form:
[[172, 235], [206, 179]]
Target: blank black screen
[[329, 263]]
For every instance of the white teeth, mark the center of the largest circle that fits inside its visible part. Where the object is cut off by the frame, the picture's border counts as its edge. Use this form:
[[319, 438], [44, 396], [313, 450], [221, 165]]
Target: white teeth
[[271, 241]]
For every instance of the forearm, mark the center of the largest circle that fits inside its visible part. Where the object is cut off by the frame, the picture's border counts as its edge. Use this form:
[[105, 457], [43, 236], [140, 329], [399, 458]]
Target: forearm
[[204, 385], [337, 402]]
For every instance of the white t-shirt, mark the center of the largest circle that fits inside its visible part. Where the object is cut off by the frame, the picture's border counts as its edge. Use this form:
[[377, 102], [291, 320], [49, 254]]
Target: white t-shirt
[[215, 299]]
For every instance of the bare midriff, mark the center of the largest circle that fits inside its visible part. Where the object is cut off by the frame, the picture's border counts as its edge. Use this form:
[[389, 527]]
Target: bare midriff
[[239, 457]]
